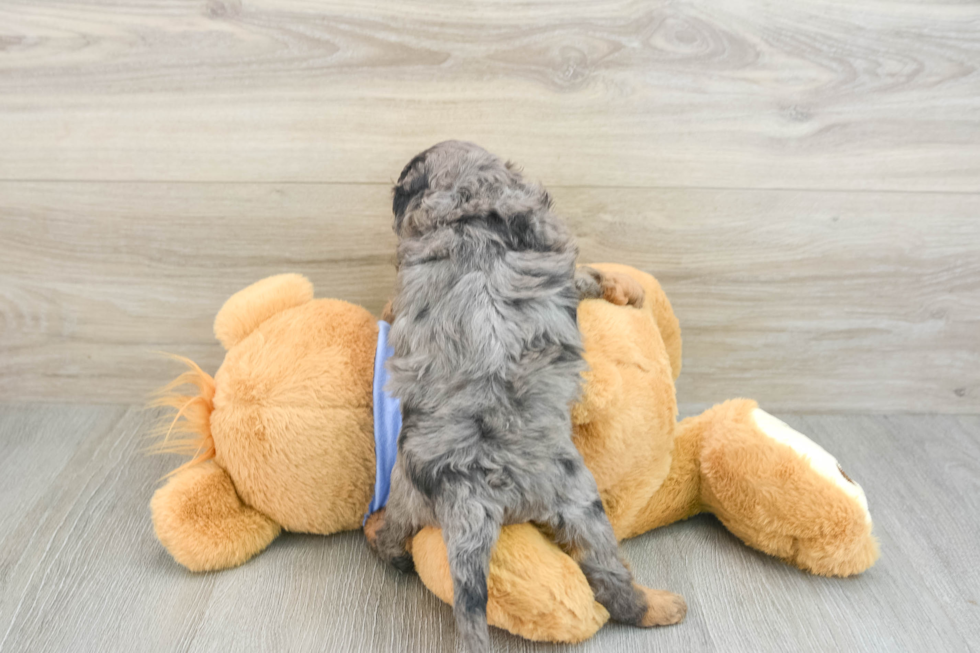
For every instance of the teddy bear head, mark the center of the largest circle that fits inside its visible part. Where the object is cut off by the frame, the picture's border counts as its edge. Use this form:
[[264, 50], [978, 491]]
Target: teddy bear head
[[288, 415]]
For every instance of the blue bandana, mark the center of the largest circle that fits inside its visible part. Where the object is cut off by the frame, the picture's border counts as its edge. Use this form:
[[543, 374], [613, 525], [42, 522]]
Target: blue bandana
[[387, 423]]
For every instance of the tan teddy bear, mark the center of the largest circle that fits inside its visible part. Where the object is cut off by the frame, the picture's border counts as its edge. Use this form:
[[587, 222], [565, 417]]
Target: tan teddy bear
[[283, 438]]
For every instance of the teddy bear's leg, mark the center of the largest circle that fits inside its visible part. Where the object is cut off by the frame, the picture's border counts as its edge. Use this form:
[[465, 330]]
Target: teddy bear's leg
[[782, 493], [200, 520], [534, 589]]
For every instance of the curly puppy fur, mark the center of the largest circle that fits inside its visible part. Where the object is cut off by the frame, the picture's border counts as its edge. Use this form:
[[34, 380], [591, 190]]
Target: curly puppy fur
[[487, 361]]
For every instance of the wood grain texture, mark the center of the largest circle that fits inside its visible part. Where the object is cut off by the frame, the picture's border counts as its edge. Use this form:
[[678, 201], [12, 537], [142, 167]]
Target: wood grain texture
[[804, 177], [80, 568], [805, 300], [739, 93]]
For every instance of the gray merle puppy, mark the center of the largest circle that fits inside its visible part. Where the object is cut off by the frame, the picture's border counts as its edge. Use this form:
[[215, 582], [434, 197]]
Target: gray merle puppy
[[487, 362]]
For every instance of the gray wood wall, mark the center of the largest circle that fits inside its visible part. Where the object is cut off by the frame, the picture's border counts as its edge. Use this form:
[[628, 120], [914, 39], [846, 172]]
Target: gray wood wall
[[803, 178]]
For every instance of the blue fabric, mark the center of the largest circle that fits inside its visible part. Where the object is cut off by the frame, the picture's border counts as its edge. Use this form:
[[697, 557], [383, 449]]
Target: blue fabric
[[387, 423]]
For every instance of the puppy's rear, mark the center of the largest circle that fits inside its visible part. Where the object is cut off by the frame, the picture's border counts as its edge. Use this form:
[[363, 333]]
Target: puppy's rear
[[487, 363]]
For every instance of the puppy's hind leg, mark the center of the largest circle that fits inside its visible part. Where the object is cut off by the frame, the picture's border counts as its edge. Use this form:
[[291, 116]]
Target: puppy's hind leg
[[470, 529], [581, 527], [389, 530]]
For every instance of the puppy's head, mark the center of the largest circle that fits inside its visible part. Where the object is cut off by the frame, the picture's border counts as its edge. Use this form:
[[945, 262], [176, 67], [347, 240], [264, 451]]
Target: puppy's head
[[456, 179]]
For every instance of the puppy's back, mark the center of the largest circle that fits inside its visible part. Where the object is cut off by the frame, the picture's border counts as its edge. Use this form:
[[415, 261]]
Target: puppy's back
[[486, 301]]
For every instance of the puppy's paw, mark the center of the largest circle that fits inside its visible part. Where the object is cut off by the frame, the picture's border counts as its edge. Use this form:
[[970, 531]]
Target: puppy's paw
[[404, 563], [621, 289], [371, 527], [663, 608], [400, 557], [387, 313], [588, 282]]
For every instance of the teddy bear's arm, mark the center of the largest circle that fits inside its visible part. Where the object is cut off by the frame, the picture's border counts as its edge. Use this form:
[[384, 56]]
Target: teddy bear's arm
[[203, 524], [534, 589]]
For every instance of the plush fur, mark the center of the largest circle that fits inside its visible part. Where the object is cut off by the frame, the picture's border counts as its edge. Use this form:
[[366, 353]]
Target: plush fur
[[204, 524], [487, 363], [280, 422]]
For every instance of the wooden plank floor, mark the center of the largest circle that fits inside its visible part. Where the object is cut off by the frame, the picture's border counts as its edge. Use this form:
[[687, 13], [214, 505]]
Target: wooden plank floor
[[80, 569]]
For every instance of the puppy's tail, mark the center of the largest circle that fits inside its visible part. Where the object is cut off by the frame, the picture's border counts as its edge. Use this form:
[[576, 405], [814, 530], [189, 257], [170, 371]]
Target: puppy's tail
[[470, 530], [188, 432]]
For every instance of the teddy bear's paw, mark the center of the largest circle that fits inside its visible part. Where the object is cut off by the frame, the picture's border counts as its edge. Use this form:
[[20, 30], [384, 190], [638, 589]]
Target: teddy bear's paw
[[663, 608]]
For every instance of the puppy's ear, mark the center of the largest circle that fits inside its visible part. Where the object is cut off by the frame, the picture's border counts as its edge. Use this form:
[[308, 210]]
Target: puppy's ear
[[412, 183], [405, 192]]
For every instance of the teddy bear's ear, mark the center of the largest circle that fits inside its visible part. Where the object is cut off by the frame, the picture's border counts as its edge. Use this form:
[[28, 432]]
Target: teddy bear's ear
[[247, 309]]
